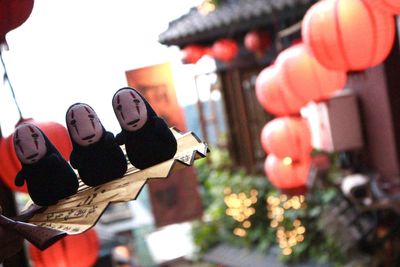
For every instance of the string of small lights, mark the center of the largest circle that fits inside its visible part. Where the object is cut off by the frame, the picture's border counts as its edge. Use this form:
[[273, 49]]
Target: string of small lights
[[240, 207], [207, 6], [286, 238]]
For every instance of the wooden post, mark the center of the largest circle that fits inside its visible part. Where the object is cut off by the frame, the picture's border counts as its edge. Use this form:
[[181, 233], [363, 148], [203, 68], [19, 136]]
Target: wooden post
[[202, 118], [392, 71], [378, 89]]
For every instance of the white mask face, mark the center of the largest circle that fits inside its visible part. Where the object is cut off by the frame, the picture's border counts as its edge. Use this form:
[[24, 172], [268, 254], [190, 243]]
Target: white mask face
[[130, 109], [29, 143], [83, 125]]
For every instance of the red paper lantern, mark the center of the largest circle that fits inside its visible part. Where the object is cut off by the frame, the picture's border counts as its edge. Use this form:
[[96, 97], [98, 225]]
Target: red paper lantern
[[391, 6], [348, 34], [287, 137], [225, 49], [208, 51], [257, 41], [72, 251], [192, 53], [272, 96], [296, 41], [288, 176], [13, 13], [307, 79], [9, 163]]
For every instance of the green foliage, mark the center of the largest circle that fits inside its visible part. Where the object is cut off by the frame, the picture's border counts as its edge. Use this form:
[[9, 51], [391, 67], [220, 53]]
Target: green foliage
[[218, 179], [215, 178], [316, 245]]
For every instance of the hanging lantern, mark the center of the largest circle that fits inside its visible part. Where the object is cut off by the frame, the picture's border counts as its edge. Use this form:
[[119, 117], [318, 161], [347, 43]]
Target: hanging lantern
[[390, 6], [272, 96], [9, 163], [257, 41], [208, 51], [72, 251], [305, 78], [287, 137], [13, 13], [288, 176], [192, 53], [348, 34], [296, 41], [225, 49]]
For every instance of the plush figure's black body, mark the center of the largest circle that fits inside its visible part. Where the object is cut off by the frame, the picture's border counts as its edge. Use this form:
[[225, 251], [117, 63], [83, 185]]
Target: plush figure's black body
[[95, 153], [147, 138], [48, 175]]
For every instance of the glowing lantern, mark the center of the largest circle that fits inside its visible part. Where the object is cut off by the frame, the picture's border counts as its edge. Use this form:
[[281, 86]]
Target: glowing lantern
[[348, 34], [13, 13], [286, 175], [208, 51], [272, 96], [391, 6], [305, 78], [225, 49], [192, 53], [287, 137], [9, 163], [257, 42], [72, 251]]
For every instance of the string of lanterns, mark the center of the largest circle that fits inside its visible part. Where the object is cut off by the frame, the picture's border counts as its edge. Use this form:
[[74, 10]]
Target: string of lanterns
[[226, 49], [314, 70], [310, 72], [287, 139], [328, 29]]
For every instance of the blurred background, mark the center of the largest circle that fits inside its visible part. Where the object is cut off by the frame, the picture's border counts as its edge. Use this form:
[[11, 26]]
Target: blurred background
[[297, 100]]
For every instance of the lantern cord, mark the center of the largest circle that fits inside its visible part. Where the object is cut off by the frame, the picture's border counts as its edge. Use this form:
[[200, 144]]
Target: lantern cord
[[290, 30], [7, 79]]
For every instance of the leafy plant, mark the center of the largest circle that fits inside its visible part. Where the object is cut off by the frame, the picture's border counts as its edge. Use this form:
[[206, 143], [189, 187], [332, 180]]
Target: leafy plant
[[218, 181], [226, 190]]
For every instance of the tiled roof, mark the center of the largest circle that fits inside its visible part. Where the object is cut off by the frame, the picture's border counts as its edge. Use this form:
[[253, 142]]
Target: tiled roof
[[230, 17]]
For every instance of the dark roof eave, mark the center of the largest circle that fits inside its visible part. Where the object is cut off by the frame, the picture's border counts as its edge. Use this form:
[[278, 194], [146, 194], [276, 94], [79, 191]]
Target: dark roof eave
[[211, 35], [208, 36]]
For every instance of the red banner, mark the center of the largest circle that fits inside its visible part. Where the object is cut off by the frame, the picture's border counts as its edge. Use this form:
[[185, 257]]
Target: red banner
[[175, 199]]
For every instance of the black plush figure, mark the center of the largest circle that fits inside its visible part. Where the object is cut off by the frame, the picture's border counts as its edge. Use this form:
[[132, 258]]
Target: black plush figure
[[48, 175], [147, 138], [95, 153]]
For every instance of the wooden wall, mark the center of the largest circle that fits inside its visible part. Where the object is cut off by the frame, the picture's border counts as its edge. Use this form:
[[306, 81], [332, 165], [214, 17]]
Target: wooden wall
[[378, 89]]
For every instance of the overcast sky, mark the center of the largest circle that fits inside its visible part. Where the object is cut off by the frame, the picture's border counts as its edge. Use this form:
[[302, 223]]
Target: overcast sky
[[78, 51]]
